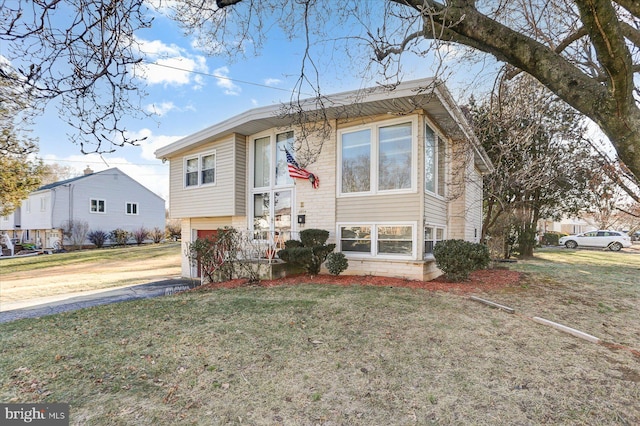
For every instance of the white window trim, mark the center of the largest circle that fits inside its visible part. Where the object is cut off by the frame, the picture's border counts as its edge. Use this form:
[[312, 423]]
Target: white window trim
[[434, 226], [126, 204], [374, 172], [104, 203], [440, 142], [199, 177], [374, 241]]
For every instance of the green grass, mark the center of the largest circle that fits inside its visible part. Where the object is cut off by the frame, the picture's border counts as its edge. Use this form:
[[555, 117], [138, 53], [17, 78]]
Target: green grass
[[309, 354], [133, 253]]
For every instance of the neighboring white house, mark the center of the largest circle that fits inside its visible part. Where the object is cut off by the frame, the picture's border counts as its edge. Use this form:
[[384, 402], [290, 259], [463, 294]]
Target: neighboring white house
[[106, 200], [399, 171], [568, 225]]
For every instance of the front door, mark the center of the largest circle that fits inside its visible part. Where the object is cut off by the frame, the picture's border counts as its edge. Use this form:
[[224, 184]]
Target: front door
[[202, 234]]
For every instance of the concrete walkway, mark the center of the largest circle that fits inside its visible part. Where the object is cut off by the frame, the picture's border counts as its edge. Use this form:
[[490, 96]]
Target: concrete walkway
[[71, 302]]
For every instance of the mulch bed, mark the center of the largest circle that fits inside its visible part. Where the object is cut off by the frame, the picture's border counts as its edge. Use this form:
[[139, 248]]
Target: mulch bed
[[482, 280]]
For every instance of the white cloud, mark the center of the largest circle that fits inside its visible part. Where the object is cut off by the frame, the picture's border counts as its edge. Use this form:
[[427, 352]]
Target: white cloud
[[161, 108], [272, 81], [170, 64], [222, 76], [148, 170], [151, 142]]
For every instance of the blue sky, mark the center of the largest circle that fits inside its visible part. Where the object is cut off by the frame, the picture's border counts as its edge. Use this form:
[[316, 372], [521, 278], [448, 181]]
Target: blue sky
[[209, 90]]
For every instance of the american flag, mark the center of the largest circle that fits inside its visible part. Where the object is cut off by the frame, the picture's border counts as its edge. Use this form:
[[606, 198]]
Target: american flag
[[297, 173]]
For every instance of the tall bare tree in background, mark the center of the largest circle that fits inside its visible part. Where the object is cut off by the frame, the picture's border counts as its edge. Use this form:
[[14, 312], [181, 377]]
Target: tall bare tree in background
[[585, 51], [543, 169]]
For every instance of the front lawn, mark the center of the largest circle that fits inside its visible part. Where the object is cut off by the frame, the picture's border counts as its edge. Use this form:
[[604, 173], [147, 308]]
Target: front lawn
[[322, 354]]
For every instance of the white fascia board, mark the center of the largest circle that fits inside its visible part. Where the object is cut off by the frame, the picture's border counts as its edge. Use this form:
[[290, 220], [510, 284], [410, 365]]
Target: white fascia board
[[481, 157], [361, 96]]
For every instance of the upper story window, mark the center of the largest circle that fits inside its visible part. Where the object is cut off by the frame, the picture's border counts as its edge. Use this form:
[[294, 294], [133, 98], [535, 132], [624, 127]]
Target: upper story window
[[270, 160], [43, 204], [434, 162], [97, 206], [379, 158], [200, 170], [131, 208]]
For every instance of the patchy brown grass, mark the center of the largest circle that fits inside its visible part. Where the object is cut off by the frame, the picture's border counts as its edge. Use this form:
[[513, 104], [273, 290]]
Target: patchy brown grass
[[43, 276], [353, 354]]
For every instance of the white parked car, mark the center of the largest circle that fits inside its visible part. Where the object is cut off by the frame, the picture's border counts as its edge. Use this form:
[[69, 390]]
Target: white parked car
[[614, 240]]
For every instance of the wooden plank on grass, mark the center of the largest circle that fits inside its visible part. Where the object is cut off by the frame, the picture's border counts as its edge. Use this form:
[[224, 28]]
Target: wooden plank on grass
[[566, 329], [493, 304]]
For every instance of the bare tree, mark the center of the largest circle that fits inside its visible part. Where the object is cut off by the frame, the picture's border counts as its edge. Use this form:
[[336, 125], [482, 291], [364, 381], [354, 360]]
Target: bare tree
[[542, 167], [587, 52], [75, 231]]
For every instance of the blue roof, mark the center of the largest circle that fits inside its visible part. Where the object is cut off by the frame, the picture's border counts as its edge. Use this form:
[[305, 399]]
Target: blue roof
[[62, 182]]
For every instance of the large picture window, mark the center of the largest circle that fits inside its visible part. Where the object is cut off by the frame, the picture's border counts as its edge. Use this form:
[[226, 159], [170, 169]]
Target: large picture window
[[200, 170], [434, 162], [386, 240], [379, 158], [394, 158]]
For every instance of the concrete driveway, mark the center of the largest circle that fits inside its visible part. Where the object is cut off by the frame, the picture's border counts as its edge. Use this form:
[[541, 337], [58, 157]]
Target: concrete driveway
[[71, 302]]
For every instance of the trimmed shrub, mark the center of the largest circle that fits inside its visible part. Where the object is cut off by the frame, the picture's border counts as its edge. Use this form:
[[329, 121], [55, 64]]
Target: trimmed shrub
[[119, 237], [551, 238], [75, 231], [157, 235], [174, 229], [458, 258], [310, 252], [98, 238], [140, 234], [337, 263]]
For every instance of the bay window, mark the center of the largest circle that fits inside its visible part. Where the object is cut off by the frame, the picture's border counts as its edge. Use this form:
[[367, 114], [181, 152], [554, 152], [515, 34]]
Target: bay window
[[377, 159], [434, 162], [432, 235]]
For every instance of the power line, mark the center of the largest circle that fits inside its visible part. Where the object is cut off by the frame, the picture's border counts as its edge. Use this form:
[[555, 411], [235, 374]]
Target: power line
[[222, 77], [101, 162], [219, 76]]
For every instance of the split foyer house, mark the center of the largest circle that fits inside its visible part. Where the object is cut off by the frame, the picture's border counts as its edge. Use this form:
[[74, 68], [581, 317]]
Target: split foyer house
[[106, 200], [398, 171]]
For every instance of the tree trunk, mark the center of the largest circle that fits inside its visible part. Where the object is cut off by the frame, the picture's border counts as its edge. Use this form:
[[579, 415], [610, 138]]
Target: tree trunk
[[609, 103]]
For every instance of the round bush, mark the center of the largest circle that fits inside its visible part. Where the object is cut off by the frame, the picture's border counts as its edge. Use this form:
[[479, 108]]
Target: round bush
[[337, 263], [458, 258]]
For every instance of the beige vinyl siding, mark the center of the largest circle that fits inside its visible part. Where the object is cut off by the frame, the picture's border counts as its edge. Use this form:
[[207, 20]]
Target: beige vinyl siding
[[219, 199], [240, 164], [435, 207], [435, 210], [474, 206], [379, 208]]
